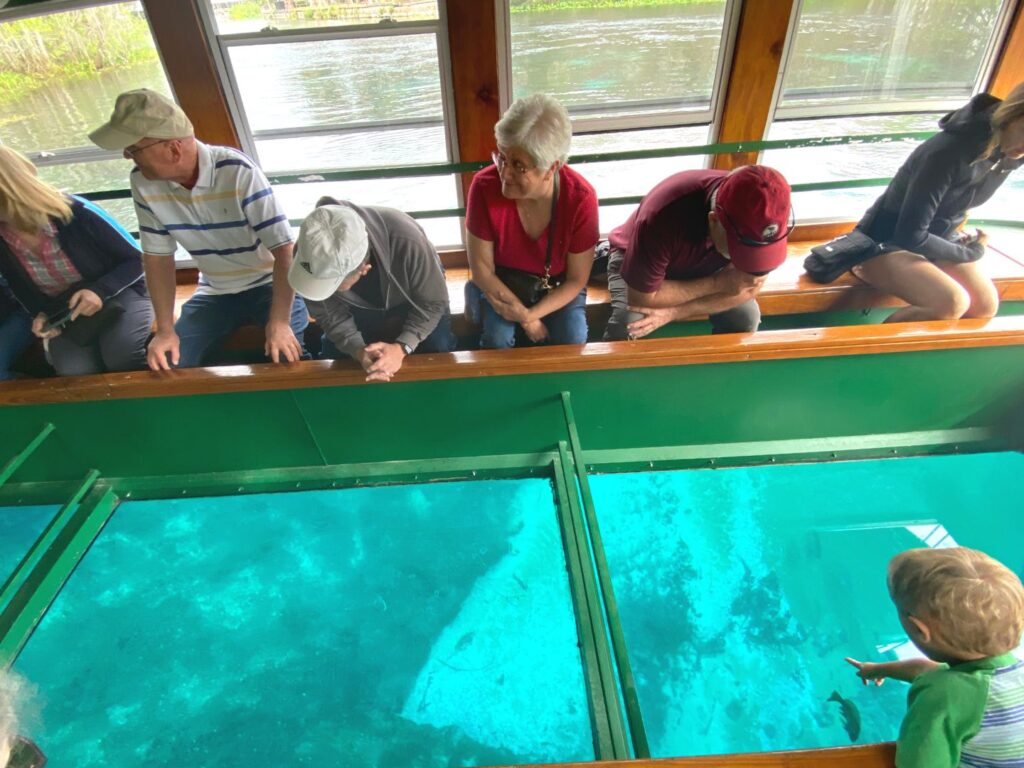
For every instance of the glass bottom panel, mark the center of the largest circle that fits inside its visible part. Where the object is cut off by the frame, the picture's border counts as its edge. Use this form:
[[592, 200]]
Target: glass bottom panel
[[391, 626], [742, 590], [19, 529]]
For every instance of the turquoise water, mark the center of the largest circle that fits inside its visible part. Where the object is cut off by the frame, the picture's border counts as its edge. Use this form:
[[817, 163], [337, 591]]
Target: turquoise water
[[397, 626], [19, 528], [741, 590]]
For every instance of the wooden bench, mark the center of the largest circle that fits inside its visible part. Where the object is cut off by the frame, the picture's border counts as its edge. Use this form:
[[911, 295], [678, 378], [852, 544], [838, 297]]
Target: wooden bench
[[788, 290]]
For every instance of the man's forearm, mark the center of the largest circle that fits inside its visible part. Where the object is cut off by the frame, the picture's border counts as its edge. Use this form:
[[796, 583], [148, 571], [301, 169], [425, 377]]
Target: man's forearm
[[710, 305], [161, 283], [674, 293], [283, 295]]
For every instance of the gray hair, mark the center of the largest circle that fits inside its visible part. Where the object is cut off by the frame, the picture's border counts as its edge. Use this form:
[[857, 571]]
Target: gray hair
[[539, 126]]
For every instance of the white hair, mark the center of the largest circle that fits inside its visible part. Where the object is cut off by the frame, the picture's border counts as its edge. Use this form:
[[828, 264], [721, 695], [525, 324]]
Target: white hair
[[539, 126]]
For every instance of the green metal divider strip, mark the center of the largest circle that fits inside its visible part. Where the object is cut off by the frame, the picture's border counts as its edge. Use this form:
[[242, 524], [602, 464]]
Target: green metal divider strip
[[609, 727], [12, 465], [631, 699], [31, 601], [53, 528], [972, 439]]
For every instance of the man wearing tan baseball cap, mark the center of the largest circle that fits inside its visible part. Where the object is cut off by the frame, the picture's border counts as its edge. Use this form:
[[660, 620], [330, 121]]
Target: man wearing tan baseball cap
[[216, 204]]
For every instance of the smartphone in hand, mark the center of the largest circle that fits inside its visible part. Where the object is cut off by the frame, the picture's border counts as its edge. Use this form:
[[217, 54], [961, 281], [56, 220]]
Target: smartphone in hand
[[57, 321]]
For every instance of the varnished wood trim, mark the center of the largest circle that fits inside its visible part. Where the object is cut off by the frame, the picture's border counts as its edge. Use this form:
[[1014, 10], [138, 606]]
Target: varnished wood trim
[[760, 40], [867, 756], [692, 350], [1009, 69], [185, 51], [473, 42]]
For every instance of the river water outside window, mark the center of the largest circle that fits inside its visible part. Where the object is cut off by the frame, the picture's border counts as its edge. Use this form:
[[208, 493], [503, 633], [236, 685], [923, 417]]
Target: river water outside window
[[853, 61], [644, 64], [59, 76], [326, 104]]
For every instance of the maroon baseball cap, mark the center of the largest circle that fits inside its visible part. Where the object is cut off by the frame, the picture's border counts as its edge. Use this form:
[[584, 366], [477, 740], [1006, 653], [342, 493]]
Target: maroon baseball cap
[[753, 205]]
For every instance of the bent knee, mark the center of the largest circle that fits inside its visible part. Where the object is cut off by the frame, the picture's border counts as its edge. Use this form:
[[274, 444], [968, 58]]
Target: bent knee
[[984, 304], [951, 304]]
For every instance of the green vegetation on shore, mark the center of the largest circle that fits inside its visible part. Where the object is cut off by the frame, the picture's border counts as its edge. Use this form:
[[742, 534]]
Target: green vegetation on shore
[[63, 46], [537, 6]]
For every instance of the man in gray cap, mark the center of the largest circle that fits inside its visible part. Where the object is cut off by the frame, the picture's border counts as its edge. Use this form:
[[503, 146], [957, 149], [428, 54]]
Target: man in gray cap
[[374, 283], [216, 204]]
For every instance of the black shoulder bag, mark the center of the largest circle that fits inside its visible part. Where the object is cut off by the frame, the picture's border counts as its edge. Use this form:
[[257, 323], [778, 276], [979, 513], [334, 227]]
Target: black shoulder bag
[[528, 287], [827, 262]]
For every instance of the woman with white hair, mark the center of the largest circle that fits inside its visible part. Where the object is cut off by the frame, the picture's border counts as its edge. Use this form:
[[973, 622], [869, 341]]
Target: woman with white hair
[[531, 226], [77, 273]]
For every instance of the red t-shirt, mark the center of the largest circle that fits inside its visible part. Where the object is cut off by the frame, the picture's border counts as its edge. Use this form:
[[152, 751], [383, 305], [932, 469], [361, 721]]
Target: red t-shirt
[[667, 236], [492, 216]]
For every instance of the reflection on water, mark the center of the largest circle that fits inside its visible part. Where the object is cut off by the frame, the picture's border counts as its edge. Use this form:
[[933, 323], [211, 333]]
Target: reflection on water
[[411, 626]]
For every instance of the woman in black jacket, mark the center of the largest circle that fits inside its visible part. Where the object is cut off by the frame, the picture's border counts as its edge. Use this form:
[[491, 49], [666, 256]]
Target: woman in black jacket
[[66, 262], [925, 259]]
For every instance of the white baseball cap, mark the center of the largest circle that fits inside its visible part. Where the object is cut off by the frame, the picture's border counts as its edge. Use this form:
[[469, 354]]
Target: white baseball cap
[[332, 242]]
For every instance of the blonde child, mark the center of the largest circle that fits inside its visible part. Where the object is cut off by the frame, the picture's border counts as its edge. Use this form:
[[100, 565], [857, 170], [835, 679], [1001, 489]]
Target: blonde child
[[965, 612]]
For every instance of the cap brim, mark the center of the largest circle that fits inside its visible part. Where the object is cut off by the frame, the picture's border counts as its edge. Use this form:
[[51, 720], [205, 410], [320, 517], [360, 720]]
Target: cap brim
[[759, 258], [309, 287], [109, 137]]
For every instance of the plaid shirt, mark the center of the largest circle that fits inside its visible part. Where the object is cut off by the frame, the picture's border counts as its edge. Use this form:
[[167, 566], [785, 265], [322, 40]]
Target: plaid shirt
[[46, 265]]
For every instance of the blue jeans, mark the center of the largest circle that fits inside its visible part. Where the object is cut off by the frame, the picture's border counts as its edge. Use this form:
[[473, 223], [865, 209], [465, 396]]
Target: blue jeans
[[378, 325], [567, 325], [15, 337], [208, 319]]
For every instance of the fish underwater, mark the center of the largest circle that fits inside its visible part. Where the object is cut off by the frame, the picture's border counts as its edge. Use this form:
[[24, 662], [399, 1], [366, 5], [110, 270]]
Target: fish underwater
[[849, 713]]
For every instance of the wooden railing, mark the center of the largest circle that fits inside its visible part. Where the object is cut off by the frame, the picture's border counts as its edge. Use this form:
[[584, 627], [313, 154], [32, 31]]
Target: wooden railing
[[691, 350]]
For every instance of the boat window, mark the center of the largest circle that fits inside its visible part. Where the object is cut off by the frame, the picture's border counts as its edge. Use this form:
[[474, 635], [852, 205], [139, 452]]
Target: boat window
[[60, 75], [861, 67], [632, 75], [320, 89]]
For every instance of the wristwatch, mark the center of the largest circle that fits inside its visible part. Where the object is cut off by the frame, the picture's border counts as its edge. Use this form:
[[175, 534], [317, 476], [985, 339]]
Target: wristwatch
[[405, 347]]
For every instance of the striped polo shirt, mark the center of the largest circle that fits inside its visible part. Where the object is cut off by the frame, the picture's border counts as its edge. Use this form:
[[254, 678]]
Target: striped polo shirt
[[228, 222], [970, 714]]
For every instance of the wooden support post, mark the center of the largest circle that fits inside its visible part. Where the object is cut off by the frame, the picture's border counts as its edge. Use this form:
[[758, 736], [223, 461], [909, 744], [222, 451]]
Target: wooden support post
[[472, 40], [757, 56], [187, 57], [1009, 69]]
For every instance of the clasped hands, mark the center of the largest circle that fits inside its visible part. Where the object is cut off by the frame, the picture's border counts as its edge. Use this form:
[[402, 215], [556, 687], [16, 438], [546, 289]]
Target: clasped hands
[[381, 360], [513, 310]]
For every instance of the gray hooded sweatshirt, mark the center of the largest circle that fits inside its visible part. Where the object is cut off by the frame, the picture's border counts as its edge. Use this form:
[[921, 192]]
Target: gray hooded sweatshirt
[[410, 275]]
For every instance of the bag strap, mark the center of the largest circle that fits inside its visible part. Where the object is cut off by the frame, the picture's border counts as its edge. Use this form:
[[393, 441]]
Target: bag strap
[[551, 231]]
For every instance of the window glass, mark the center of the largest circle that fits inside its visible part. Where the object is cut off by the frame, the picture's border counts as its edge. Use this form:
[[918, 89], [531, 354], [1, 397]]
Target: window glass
[[627, 178], [407, 194], [618, 58], [849, 51], [349, 102], [239, 16], [60, 77], [805, 165], [331, 82]]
